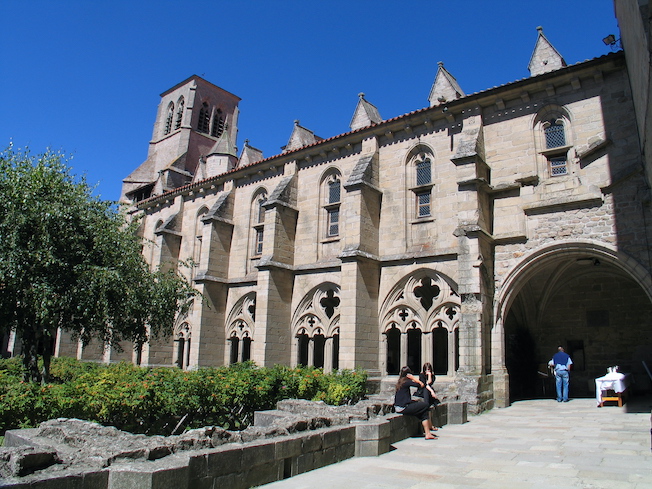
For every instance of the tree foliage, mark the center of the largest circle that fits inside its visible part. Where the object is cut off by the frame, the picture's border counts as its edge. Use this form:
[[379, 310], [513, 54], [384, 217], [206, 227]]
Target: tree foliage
[[71, 260]]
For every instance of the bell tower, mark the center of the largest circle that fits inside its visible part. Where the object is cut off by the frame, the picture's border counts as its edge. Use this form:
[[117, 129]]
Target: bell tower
[[193, 118]]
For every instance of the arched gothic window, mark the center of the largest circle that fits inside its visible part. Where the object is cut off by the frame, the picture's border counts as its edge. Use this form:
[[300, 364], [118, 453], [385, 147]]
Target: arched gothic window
[[420, 167], [217, 128], [182, 346], [203, 124], [168, 119], [180, 107], [553, 128], [241, 329], [420, 318], [332, 197], [258, 222], [198, 245], [316, 326]]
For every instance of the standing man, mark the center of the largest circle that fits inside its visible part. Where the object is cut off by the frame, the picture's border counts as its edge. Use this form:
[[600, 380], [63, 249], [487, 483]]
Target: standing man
[[561, 361]]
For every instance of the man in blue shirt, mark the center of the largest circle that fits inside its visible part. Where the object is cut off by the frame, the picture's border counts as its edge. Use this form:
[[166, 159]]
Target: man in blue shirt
[[561, 361]]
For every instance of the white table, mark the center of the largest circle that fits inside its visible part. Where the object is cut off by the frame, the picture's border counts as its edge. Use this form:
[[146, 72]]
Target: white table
[[614, 381]]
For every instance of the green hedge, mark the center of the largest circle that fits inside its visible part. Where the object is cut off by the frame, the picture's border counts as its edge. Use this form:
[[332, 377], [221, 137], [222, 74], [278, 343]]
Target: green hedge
[[154, 400]]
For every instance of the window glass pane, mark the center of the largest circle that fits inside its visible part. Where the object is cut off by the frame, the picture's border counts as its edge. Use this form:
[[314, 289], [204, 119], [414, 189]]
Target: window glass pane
[[423, 172], [261, 210], [334, 192], [423, 204], [558, 166], [555, 135], [334, 222], [259, 241]]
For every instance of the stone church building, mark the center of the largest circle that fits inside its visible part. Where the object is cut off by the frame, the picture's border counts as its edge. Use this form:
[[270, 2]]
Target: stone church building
[[477, 233]]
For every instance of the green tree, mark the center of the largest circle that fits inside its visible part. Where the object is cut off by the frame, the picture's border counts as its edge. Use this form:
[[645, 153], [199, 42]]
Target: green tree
[[71, 260]]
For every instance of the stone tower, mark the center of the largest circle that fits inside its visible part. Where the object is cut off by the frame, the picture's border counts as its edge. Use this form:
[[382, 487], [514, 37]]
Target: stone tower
[[193, 138]]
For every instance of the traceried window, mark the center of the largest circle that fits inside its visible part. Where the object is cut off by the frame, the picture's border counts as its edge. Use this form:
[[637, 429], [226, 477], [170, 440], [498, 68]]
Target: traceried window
[[203, 124], [217, 128], [258, 212], [180, 107], [168, 119], [316, 329], [420, 318]]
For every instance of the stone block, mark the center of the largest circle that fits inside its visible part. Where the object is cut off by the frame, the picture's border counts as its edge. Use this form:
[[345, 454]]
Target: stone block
[[262, 474], [20, 438], [325, 457], [266, 418], [312, 442], [258, 454], [225, 460], [229, 481], [65, 482], [345, 451], [457, 412], [304, 463], [95, 480], [337, 435], [373, 430], [161, 474], [371, 448], [198, 465], [288, 447]]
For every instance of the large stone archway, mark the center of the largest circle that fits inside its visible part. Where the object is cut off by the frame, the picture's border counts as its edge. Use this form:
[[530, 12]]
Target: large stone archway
[[592, 299]]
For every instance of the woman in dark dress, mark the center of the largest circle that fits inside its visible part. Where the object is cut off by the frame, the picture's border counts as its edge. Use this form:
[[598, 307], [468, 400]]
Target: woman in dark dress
[[404, 404], [428, 378]]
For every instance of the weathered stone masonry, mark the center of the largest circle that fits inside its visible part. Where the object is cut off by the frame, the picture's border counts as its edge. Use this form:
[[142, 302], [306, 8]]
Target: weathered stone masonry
[[477, 233]]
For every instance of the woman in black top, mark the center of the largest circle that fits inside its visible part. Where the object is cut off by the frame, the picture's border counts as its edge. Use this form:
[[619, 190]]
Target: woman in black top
[[428, 392], [404, 404]]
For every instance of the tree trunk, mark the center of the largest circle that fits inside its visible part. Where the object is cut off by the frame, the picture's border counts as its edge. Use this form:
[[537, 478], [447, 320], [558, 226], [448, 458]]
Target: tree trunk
[[30, 356]]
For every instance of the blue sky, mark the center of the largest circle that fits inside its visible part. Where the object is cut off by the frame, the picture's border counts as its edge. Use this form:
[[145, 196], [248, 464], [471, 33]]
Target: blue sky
[[85, 76]]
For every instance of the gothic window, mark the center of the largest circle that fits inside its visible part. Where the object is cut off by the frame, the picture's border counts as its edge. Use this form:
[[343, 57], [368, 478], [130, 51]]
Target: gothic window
[[240, 350], [258, 211], [198, 246], [217, 128], [182, 343], [421, 166], [180, 107], [420, 318], [332, 191], [168, 119], [316, 327], [239, 334], [203, 124], [553, 126]]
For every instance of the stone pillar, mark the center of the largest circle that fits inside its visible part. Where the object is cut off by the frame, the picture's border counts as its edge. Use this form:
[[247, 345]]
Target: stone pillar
[[207, 327], [273, 316], [328, 355], [404, 350], [426, 348], [359, 335]]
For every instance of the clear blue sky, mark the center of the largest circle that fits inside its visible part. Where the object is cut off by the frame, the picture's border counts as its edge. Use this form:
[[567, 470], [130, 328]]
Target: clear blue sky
[[85, 76]]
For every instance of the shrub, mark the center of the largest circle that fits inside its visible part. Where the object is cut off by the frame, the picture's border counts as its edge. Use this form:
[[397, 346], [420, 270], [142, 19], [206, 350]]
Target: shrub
[[156, 400]]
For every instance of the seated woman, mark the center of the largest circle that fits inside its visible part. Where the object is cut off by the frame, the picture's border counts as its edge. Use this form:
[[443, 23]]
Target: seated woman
[[404, 404], [428, 392]]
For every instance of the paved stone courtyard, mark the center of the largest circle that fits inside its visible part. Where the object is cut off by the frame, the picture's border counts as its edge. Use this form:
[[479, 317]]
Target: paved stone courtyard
[[532, 444]]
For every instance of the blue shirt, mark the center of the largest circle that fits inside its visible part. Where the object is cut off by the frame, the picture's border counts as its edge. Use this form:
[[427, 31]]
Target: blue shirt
[[561, 360]]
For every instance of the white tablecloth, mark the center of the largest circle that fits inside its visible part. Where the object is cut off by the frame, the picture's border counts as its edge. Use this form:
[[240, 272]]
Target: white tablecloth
[[612, 381]]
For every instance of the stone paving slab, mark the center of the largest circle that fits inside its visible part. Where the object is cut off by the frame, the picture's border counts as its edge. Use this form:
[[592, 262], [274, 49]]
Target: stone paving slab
[[535, 444]]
